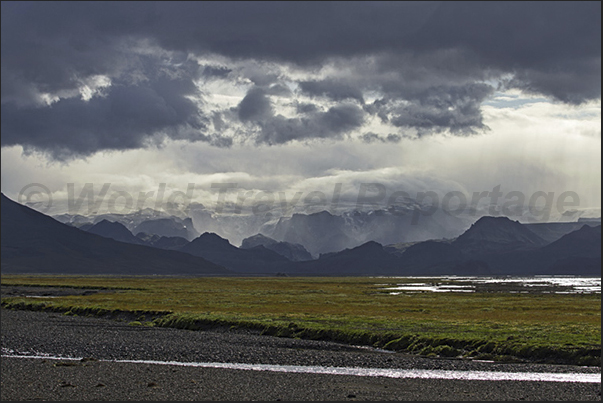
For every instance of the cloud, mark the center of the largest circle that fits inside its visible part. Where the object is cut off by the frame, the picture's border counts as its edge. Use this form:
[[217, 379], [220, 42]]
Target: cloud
[[333, 123], [573, 82], [279, 90], [125, 117], [332, 89], [215, 71], [445, 108], [303, 107], [78, 78], [503, 35], [371, 137], [255, 106], [533, 147], [256, 110]]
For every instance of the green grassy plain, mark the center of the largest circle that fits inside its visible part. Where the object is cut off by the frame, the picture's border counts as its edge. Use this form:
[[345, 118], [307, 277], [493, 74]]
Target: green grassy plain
[[555, 328]]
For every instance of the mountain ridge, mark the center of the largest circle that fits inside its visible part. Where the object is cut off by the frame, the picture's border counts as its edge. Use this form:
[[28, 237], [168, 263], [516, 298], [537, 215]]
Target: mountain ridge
[[33, 242], [114, 230], [293, 252]]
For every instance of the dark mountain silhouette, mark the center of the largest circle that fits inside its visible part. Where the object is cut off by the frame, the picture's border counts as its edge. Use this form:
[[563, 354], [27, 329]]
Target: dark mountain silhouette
[[552, 231], [257, 260], [114, 230], [584, 242], [400, 248], [578, 252], [499, 246], [367, 259], [36, 243], [497, 235], [430, 257], [293, 252]]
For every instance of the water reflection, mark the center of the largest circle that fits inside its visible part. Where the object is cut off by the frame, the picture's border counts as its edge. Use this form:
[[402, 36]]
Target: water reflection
[[544, 285], [355, 371]]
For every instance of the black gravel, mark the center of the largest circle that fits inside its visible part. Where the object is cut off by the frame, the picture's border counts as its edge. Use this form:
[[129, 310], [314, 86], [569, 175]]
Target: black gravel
[[68, 336]]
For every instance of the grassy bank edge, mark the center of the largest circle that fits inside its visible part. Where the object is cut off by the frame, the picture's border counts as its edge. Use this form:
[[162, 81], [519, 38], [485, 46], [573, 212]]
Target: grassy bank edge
[[499, 351]]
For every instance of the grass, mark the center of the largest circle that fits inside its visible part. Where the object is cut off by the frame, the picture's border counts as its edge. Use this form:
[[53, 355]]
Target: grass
[[555, 328]]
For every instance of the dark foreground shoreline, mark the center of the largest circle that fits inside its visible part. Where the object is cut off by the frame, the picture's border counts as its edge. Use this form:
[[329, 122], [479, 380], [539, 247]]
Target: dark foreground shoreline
[[100, 339]]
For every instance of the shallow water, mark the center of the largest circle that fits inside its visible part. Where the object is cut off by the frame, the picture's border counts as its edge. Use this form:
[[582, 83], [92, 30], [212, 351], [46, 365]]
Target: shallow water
[[535, 284], [367, 372]]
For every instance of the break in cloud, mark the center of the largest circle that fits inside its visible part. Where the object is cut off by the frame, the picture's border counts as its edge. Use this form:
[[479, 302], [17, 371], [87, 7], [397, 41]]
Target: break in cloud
[[83, 77]]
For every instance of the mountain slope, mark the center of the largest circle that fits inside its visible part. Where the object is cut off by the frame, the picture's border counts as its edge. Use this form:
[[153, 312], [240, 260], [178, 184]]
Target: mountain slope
[[499, 246], [425, 258], [257, 260], [114, 230], [578, 252], [551, 232], [36, 243], [293, 252], [367, 259], [497, 235]]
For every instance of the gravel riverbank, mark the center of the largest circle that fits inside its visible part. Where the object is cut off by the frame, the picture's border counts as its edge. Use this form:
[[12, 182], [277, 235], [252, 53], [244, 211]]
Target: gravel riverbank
[[103, 339]]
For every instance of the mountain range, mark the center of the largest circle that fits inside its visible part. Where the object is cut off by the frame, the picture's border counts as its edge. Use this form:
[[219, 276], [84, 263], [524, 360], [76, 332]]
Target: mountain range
[[292, 251], [146, 221], [34, 242], [257, 260], [500, 246], [323, 232], [113, 230]]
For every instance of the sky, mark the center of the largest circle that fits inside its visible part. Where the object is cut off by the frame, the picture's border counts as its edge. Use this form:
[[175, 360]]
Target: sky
[[347, 104]]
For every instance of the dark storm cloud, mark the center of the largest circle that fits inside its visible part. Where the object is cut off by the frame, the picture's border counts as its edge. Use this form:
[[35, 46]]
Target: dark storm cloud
[[126, 117], [342, 118], [512, 35], [444, 108], [572, 82], [508, 36], [425, 55], [334, 90], [255, 106], [548, 44], [256, 109], [334, 123]]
